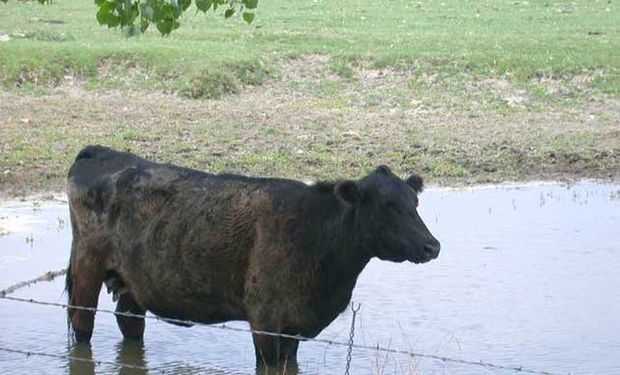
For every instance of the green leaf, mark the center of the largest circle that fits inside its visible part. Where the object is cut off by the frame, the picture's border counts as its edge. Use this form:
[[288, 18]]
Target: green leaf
[[184, 4], [129, 15], [204, 5], [109, 19], [248, 17], [229, 12], [163, 12], [99, 2], [114, 20], [165, 27], [102, 17], [106, 16], [250, 4], [106, 7]]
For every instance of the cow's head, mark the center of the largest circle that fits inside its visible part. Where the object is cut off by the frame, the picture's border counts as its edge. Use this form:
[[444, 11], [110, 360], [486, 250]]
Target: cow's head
[[387, 216]]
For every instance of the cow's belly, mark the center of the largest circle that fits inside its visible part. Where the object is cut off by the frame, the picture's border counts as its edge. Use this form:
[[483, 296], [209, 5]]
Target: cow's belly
[[189, 283], [203, 309], [176, 301]]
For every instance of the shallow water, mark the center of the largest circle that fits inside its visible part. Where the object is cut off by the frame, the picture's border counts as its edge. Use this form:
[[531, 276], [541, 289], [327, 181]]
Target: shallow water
[[527, 276]]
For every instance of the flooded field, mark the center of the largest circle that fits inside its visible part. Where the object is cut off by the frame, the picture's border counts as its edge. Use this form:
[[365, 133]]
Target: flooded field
[[528, 276]]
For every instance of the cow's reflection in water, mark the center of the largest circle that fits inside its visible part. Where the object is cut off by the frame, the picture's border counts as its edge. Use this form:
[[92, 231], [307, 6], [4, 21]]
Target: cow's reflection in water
[[129, 352], [77, 367]]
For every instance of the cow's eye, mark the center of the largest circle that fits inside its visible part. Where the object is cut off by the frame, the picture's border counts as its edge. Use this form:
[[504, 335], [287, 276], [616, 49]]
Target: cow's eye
[[393, 206]]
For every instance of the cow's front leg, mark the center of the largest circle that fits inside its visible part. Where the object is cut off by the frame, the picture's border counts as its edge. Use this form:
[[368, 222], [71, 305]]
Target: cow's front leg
[[85, 277], [275, 351], [266, 350], [288, 350]]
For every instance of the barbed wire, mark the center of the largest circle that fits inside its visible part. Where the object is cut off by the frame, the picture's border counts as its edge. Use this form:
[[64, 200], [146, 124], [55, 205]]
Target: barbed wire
[[29, 353], [48, 276], [377, 347]]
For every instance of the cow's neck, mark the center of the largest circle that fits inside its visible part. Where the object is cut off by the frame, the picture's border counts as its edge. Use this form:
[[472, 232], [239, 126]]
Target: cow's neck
[[344, 260]]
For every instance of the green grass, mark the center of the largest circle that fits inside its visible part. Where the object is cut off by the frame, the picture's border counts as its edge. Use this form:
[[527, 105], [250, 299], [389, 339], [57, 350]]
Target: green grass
[[516, 39]]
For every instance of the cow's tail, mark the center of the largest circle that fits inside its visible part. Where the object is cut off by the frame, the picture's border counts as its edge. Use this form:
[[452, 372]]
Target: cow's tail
[[69, 291]]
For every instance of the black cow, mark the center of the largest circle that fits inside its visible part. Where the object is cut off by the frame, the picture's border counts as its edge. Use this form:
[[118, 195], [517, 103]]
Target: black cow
[[190, 245]]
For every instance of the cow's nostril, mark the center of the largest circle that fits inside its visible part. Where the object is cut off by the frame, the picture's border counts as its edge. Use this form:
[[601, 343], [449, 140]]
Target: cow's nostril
[[432, 250]]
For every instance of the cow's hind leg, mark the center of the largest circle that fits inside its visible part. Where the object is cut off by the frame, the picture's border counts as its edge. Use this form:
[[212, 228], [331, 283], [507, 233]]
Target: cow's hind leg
[[131, 327], [85, 276]]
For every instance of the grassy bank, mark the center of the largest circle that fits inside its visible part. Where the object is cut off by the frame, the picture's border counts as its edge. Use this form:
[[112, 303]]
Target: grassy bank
[[463, 92], [516, 39]]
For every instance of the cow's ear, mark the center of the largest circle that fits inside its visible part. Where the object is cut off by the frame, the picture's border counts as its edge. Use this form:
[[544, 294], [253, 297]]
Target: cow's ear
[[416, 182], [384, 169], [347, 191]]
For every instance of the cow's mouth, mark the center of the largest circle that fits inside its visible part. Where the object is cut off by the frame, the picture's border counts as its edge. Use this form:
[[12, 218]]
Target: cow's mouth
[[429, 253], [420, 260]]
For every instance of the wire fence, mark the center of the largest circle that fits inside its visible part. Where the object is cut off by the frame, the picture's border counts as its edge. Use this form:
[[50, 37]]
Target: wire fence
[[349, 345]]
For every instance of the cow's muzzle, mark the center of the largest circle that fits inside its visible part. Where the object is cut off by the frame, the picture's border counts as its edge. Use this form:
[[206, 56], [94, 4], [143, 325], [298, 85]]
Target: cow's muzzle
[[430, 251]]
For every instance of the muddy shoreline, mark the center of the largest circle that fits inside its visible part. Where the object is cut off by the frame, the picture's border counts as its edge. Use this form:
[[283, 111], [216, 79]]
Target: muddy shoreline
[[455, 131]]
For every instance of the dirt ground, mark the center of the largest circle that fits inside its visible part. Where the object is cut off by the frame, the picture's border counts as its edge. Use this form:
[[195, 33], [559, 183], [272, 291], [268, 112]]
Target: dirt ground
[[313, 122]]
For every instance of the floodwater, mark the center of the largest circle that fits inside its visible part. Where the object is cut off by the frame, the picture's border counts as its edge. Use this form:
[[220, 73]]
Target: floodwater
[[528, 276]]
